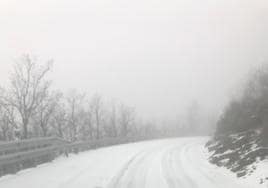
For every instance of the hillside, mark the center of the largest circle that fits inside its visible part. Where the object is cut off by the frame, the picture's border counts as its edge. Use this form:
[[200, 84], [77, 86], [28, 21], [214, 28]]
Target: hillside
[[245, 154]]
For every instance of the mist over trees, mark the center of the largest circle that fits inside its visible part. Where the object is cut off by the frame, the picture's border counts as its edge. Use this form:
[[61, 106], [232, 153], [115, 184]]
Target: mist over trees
[[29, 107], [250, 111]]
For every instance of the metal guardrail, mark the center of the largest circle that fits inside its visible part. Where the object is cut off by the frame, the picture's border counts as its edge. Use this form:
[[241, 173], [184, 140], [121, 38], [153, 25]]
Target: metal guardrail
[[18, 155], [27, 145]]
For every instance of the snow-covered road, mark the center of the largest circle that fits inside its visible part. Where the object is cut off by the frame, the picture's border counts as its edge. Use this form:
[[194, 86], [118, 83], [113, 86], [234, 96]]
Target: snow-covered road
[[169, 163]]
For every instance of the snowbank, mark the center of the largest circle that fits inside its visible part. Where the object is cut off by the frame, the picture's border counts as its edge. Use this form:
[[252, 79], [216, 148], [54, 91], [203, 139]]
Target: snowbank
[[243, 154]]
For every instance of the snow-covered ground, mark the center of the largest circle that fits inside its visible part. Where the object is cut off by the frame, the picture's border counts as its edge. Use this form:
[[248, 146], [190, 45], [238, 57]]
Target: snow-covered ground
[[169, 163]]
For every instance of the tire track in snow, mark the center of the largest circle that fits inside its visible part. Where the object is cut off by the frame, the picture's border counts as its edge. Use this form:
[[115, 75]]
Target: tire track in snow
[[168, 171], [203, 171], [134, 172], [188, 161], [198, 163], [174, 171], [174, 163], [116, 179]]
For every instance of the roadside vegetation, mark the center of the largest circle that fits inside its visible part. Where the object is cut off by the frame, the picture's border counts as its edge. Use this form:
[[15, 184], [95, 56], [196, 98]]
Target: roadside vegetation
[[250, 111], [30, 107], [241, 138]]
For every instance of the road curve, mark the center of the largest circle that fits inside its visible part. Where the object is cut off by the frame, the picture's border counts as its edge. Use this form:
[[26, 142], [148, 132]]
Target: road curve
[[180, 163], [167, 163]]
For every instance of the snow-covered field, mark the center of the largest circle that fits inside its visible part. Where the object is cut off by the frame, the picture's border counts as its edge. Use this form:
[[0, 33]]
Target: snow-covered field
[[169, 163]]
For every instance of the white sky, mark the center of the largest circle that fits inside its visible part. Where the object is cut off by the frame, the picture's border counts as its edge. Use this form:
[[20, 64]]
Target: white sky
[[156, 55]]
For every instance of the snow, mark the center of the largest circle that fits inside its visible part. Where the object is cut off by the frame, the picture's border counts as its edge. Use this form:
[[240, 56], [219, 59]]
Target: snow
[[169, 163], [258, 176]]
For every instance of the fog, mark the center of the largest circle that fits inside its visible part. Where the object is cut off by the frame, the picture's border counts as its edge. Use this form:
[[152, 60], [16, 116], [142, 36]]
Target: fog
[[157, 56]]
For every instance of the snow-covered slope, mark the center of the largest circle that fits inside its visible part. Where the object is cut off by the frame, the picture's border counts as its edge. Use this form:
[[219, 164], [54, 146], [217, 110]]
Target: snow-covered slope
[[169, 163], [244, 154]]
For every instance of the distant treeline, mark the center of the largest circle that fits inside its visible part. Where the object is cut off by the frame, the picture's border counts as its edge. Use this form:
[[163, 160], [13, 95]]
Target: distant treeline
[[250, 110], [30, 108]]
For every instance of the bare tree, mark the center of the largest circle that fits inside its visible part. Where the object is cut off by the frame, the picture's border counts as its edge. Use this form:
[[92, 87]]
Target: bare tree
[[126, 119], [59, 120], [113, 120], [75, 106], [8, 123], [5, 125], [27, 90], [110, 119], [97, 110], [45, 111], [88, 122]]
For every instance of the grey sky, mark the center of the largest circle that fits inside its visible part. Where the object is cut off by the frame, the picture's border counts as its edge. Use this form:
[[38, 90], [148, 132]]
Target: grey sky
[[156, 55]]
